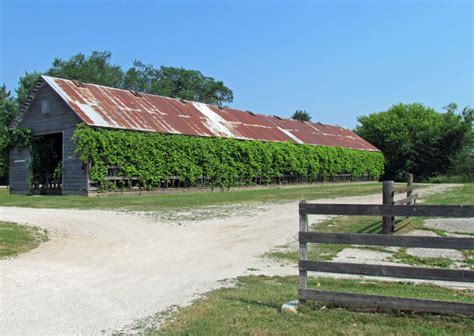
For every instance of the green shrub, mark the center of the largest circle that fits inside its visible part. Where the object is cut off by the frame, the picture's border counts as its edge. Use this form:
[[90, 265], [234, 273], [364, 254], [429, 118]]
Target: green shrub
[[154, 157]]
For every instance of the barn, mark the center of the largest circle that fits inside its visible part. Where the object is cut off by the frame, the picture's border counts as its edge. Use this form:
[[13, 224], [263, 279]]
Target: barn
[[57, 107]]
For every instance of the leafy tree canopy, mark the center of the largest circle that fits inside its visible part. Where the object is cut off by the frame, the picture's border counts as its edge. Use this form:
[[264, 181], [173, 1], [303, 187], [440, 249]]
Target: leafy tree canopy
[[8, 109], [97, 68], [25, 84], [301, 115], [463, 162], [415, 138], [177, 83]]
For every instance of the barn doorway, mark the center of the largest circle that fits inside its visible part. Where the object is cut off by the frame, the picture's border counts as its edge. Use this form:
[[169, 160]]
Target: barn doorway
[[47, 164]]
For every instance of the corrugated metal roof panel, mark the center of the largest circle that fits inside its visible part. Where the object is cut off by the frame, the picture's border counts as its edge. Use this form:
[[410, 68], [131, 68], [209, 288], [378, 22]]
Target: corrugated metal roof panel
[[103, 106]]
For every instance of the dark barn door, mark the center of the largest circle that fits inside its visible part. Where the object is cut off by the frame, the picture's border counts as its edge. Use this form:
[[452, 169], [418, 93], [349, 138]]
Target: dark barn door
[[47, 164]]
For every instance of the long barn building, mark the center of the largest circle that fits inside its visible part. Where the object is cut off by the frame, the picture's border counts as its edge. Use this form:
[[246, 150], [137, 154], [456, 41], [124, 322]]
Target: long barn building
[[57, 106]]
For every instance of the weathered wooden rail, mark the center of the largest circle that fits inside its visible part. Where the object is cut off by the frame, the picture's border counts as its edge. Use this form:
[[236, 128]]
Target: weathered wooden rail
[[405, 272]]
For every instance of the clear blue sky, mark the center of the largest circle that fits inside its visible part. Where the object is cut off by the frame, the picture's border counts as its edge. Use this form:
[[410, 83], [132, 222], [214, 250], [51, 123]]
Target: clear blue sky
[[337, 60]]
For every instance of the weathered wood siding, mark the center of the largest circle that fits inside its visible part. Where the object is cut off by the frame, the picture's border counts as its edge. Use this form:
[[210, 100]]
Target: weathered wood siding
[[19, 170], [60, 119]]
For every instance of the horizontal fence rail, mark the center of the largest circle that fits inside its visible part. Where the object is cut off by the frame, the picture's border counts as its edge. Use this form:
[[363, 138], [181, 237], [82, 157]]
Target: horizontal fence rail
[[385, 240], [431, 306], [413, 210], [408, 272]]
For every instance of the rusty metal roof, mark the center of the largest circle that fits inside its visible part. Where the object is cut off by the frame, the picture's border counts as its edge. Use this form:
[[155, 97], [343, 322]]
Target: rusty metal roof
[[103, 106]]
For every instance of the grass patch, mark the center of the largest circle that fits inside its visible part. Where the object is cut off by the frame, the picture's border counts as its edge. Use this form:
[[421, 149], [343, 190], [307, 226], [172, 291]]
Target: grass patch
[[469, 258], [191, 199], [450, 179], [457, 196], [439, 232], [464, 233], [252, 308], [403, 257], [16, 239]]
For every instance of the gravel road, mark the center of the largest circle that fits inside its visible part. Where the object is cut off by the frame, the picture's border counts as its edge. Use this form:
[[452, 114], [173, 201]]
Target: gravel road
[[102, 270]]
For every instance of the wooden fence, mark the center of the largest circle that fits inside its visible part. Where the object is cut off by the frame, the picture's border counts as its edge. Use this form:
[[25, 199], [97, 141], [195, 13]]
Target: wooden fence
[[388, 198], [387, 210]]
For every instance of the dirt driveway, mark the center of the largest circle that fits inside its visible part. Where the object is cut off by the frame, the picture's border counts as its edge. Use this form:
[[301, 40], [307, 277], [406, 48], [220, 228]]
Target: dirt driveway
[[101, 270]]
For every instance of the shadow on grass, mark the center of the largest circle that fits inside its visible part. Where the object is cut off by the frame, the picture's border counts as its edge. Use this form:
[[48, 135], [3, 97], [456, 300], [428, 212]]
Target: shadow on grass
[[374, 227]]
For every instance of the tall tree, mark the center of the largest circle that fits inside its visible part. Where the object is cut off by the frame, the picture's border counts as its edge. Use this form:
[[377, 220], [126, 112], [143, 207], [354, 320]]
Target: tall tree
[[301, 115], [141, 77], [414, 138], [8, 109], [25, 84], [177, 83], [463, 161], [96, 68]]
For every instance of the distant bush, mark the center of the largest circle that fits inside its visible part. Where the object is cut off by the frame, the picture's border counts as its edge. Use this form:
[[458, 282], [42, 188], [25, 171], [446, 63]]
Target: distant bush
[[153, 157], [419, 140]]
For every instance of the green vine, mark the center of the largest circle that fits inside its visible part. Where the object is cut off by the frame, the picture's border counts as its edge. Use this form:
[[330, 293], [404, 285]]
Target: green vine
[[153, 157]]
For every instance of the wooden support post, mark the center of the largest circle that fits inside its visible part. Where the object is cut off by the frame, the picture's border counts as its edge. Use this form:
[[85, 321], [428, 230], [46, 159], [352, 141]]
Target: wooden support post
[[410, 185], [303, 255], [410, 191], [387, 199]]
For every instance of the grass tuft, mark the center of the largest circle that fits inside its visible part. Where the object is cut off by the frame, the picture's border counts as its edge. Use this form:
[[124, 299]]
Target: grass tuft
[[403, 257], [16, 239]]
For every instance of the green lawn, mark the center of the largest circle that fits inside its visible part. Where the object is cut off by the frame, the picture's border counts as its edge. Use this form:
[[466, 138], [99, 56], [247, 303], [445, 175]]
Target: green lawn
[[252, 308], [15, 239], [191, 199], [463, 195]]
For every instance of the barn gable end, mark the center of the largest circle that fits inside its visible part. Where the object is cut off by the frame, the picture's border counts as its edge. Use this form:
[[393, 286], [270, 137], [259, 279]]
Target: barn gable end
[[54, 116]]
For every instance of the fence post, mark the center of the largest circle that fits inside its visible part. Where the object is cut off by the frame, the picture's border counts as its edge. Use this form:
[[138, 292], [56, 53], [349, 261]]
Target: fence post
[[387, 199], [410, 185], [303, 254]]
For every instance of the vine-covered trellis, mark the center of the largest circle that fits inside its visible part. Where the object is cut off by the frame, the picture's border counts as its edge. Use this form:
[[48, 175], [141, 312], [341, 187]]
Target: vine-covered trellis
[[150, 159]]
